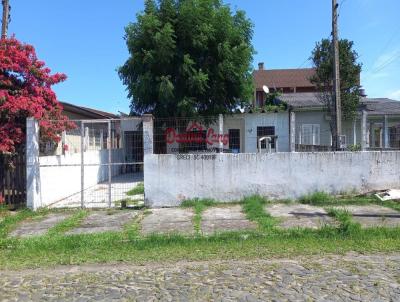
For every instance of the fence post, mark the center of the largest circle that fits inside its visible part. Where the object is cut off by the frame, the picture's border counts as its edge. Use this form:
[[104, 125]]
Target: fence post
[[82, 164], [109, 146], [221, 132], [364, 131], [148, 146], [33, 186], [292, 123]]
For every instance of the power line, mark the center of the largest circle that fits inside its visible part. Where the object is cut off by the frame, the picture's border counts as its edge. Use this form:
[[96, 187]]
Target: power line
[[391, 59], [341, 6], [387, 62], [302, 64]]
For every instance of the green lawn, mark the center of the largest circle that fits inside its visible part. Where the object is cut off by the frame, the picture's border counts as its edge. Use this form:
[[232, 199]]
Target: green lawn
[[128, 245]]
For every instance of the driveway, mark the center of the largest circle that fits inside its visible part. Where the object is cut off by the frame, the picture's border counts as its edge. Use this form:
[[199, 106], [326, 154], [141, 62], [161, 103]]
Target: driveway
[[97, 196]]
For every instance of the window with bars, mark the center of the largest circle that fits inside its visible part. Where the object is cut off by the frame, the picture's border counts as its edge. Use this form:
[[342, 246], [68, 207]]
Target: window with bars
[[234, 140], [266, 131], [310, 134]]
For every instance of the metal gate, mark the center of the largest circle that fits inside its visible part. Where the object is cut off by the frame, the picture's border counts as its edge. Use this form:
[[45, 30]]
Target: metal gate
[[96, 163]]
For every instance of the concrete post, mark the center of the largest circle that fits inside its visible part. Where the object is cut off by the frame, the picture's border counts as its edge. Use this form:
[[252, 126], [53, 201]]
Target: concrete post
[[33, 186], [364, 132], [148, 137], [292, 138], [221, 132], [63, 141], [385, 132], [86, 147], [109, 146], [372, 134], [101, 139], [82, 164], [355, 132], [148, 149]]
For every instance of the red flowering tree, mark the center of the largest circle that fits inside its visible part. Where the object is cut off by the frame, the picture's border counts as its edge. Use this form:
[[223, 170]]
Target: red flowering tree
[[25, 91]]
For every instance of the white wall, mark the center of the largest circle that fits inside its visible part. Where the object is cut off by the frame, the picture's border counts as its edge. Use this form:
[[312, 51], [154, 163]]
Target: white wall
[[279, 120], [314, 117], [60, 175], [169, 179]]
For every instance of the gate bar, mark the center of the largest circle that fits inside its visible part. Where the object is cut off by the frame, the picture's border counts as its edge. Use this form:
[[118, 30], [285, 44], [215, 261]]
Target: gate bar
[[82, 165], [109, 163]]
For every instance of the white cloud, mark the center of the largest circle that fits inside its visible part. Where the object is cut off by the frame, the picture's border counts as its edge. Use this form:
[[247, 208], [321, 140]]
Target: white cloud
[[395, 95]]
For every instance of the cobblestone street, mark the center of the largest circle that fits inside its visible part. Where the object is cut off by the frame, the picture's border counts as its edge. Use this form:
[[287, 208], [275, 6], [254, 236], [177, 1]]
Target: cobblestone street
[[352, 277]]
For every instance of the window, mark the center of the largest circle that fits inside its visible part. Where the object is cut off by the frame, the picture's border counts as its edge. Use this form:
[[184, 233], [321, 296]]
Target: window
[[234, 140], [310, 134], [265, 131]]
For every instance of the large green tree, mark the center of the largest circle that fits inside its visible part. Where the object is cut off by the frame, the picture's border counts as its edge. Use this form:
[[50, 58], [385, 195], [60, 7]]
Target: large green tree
[[350, 69], [188, 58]]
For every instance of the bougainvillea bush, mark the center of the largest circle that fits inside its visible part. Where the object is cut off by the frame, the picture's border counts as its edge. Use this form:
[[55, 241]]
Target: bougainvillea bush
[[25, 91]]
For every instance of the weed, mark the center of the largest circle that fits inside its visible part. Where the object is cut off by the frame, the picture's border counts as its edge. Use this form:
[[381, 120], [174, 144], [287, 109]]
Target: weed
[[346, 224], [316, 198], [139, 189], [199, 205], [253, 206], [69, 223]]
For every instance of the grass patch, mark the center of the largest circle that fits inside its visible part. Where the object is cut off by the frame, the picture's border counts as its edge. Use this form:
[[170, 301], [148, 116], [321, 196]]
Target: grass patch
[[139, 189], [198, 205], [346, 224], [117, 247], [395, 205], [253, 207], [10, 222], [316, 198], [69, 223]]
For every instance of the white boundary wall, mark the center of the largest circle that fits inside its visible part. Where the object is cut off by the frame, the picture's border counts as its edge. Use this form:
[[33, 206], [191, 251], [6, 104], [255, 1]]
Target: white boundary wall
[[170, 179], [60, 175]]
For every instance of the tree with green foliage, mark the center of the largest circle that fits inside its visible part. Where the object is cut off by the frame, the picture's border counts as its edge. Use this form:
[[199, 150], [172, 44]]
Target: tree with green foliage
[[188, 58], [350, 69]]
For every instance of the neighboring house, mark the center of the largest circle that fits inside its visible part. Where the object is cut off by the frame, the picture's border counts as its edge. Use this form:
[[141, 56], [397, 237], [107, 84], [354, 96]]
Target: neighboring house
[[382, 116], [95, 131], [74, 112], [281, 80], [303, 126], [93, 128], [382, 123]]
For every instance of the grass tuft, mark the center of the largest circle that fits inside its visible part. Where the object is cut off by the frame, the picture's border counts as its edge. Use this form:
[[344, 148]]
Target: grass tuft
[[69, 223], [346, 224], [316, 198], [9, 222], [139, 189], [253, 206], [199, 205]]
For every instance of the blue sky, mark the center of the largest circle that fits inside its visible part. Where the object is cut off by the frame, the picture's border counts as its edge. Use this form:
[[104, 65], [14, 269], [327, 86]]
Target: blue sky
[[84, 39]]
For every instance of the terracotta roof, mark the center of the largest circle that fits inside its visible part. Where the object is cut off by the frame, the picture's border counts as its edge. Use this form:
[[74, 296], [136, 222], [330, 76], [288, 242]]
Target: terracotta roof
[[92, 113], [283, 78]]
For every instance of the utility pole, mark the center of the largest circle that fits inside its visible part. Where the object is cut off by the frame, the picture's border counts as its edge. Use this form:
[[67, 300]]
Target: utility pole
[[336, 74], [4, 24]]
